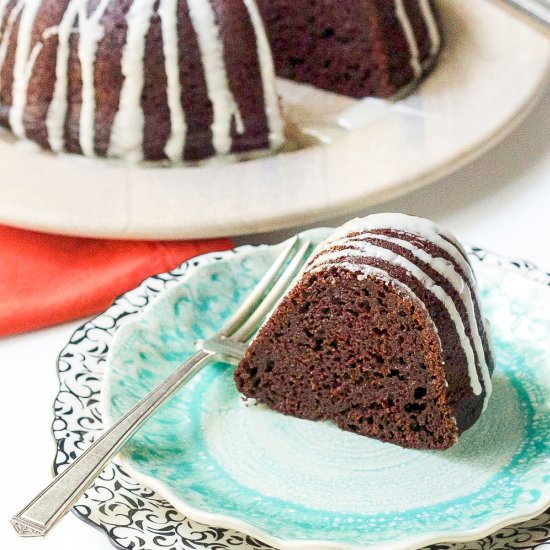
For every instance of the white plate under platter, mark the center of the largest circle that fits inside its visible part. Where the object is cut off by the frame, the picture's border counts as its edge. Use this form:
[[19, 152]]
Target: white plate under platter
[[489, 76]]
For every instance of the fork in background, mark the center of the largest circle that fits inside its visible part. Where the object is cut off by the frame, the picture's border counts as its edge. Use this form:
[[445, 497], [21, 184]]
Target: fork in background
[[49, 506]]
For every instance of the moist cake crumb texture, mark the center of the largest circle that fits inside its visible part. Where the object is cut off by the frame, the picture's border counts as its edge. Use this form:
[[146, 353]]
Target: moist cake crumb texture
[[382, 334]]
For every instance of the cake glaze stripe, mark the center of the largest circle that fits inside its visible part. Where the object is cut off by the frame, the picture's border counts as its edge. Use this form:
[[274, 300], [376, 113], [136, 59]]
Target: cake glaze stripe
[[21, 69], [405, 22], [29, 67], [211, 47], [424, 229], [415, 226], [448, 271], [127, 129], [168, 12], [271, 100], [431, 25], [57, 110], [428, 230], [367, 250], [91, 33]]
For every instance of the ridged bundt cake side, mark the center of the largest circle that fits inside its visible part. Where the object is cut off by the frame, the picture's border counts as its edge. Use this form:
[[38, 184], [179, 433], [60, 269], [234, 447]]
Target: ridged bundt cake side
[[185, 80], [153, 79], [383, 334]]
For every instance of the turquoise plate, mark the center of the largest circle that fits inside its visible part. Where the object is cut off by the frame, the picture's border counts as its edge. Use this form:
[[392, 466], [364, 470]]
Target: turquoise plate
[[301, 484]]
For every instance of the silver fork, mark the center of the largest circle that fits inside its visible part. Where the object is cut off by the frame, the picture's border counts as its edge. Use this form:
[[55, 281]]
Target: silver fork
[[46, 509]]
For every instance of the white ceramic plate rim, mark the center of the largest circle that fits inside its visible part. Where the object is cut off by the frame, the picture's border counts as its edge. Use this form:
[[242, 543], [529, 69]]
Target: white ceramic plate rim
[[226, 521], [119, 200]]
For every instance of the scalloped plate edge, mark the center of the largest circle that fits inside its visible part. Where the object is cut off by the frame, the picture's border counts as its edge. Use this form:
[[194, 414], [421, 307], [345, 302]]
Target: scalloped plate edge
[[411, 543]]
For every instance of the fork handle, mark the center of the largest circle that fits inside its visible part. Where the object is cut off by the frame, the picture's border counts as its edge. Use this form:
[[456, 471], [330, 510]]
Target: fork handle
[[44, 511]]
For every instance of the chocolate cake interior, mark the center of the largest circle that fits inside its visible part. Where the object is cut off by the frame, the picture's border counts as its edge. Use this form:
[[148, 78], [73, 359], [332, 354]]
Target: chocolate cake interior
[[357, 352]]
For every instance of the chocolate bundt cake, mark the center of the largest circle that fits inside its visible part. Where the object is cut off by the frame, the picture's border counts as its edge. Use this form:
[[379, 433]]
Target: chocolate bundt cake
[[356, 48], [191, 79], [382, 333], [153, 79]]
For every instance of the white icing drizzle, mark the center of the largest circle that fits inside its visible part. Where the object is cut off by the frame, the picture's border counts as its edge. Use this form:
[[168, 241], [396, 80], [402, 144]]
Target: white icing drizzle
[[91, 32], [49, 32], [35, 52], [57, 110], [431, 25], [224, 105], [168, 12], [126, 138], [22, 69], [127, 129], [405, 22], [447, 270], [364, 249], [417, 226], [271, 99], [239, 123], [12, 17], [409, 224], [427, 230]]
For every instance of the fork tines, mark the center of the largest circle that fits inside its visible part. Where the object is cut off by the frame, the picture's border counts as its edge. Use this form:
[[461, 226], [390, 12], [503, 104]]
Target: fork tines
[[273, 285]]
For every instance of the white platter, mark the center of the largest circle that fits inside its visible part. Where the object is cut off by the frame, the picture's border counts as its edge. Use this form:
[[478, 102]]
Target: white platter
[[491, 72]]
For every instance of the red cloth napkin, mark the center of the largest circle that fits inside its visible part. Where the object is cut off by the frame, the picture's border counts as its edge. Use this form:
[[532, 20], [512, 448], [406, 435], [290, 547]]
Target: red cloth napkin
[[48, 279]]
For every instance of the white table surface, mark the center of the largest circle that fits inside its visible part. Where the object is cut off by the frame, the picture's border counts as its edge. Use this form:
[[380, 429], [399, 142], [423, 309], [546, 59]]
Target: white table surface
[[500, 202]]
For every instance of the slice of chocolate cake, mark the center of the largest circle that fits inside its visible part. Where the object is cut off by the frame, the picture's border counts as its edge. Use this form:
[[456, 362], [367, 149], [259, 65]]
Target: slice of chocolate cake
[[382, 334]]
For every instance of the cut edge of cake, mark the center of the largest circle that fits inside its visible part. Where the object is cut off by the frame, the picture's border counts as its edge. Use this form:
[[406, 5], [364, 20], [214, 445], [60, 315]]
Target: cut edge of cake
[[382, 333]]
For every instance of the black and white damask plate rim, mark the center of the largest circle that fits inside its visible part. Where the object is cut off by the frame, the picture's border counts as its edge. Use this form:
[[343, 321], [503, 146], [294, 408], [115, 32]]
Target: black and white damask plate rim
[[135, 517]]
